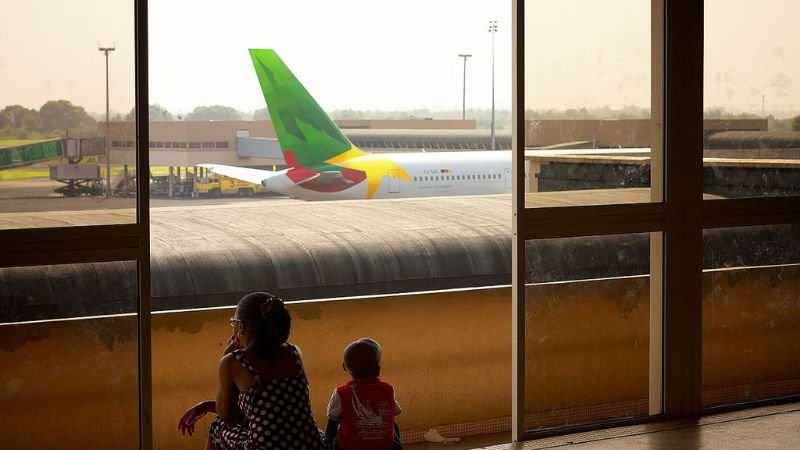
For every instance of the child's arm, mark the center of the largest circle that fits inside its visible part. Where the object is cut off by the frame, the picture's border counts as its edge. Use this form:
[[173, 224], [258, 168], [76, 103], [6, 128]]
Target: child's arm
[[331, 430]]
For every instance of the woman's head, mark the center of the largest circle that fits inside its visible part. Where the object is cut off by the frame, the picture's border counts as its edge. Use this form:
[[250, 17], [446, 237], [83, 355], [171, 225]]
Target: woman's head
[[265, 322]]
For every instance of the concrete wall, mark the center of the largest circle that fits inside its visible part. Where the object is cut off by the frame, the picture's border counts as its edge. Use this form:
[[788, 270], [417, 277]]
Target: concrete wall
[[615, 133], [604, 133], [70, 384]]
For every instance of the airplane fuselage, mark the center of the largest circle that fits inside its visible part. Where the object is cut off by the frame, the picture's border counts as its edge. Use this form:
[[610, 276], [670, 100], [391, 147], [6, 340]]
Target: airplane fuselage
[[412, 175]]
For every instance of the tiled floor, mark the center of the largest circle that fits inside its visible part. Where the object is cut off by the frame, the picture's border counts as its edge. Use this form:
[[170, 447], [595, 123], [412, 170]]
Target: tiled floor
[[773, 427]]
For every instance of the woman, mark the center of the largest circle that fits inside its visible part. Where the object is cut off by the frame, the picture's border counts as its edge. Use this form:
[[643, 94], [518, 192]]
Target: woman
[[262, 398]]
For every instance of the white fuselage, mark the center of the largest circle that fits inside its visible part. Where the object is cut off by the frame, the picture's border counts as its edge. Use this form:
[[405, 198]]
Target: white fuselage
[[431, 175]]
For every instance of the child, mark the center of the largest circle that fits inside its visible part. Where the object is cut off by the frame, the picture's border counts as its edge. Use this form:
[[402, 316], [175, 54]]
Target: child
[[361, 412]]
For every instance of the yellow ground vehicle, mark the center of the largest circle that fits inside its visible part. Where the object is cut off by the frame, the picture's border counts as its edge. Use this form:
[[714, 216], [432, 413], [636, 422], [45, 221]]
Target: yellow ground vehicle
[[218, 185]]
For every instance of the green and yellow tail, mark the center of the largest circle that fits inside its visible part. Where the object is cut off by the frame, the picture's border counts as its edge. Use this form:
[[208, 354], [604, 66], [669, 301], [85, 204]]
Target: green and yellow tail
[[307, 136]]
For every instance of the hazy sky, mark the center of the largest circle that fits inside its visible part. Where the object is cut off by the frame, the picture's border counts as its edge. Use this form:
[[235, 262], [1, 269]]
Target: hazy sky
[[368, 54]]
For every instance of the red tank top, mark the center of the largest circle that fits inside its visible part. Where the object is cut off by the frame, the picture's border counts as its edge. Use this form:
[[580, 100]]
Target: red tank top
[[367, 419]]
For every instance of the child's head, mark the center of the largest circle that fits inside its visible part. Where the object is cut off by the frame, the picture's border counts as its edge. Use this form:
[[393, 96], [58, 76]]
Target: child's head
[[362, 358]]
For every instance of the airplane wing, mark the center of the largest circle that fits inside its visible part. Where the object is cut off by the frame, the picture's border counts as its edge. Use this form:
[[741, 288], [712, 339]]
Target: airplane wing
[[256, 176]]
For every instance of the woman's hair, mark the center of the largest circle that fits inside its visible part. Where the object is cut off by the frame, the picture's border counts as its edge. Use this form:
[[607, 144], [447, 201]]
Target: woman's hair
[[269, 320]]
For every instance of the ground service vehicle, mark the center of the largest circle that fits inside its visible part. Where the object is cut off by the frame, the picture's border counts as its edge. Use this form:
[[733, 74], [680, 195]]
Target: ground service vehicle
[[218, 185]]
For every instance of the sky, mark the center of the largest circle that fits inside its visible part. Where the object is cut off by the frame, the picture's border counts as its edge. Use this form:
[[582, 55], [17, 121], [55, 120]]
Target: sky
[[381, 55]]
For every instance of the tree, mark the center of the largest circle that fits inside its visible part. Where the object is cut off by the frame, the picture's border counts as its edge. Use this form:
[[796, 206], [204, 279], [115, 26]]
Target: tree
[[261, 114], [17, 116], [62, 114], [214, 112], [796, 123], [157, 114]]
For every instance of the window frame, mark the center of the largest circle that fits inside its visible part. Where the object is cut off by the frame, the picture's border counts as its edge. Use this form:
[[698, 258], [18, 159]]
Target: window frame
[[677, 230], [105, 243]]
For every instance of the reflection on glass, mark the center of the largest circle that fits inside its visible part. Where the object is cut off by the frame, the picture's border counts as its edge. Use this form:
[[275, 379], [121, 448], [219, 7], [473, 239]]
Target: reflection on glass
[[55, 163], [751, 99], [69, 383], [586, 329], [588, 127], [751, 314]]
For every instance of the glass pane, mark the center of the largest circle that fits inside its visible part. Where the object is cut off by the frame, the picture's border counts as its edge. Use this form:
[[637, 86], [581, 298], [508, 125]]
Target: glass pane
[[588, 126], [213, 141], [394, 94], [751, 98], [69, 356], [587, 329], [751, 313], [54, 159]]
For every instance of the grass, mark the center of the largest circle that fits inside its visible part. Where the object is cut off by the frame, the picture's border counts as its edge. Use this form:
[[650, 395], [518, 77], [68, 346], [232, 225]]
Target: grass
[[38, 170], [42, 170], [24, 173]]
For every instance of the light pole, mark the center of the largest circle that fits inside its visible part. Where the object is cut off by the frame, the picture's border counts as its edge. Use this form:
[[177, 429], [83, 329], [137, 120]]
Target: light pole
[[108, 151], [464, 89], [493, 30]]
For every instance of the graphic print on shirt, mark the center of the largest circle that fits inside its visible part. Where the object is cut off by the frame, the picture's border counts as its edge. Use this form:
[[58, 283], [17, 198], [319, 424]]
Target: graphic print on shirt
[[370, 424]]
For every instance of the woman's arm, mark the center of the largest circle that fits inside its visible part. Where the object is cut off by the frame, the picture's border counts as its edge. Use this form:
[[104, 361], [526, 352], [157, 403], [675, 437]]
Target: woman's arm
[[331, 430], [225, 404], [189, 419]]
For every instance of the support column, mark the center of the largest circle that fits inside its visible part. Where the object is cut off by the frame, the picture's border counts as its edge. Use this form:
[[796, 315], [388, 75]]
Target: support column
[[127, 179], [170, 191], [194, 182]]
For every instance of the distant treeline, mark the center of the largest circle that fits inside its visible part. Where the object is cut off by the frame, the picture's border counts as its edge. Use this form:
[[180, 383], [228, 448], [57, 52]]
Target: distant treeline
[[56, 117], [51, 120]]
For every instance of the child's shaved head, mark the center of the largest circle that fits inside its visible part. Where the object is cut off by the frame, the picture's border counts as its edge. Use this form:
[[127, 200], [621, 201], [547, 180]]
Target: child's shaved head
[[362, 358]]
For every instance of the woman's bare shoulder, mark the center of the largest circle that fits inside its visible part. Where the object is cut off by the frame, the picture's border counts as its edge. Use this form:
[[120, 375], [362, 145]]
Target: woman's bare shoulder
[[229, 363]]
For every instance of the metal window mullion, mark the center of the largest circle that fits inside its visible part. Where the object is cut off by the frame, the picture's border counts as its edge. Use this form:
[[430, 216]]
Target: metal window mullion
[[68, 233], [541, 223], [518, 208], [750, 211], [656, 319], [143, 221], [683, 239]]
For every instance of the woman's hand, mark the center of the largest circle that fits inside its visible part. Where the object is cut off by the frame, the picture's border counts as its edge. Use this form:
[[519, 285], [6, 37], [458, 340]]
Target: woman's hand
[[233, 344], [195, 413]]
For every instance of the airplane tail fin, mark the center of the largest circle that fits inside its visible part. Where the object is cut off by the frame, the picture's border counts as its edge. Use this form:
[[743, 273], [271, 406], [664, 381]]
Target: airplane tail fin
[[306, 134]]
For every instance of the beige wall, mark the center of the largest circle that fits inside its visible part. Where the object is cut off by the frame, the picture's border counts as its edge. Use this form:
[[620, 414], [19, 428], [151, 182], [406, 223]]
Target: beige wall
[[448, 355], [225, 130], [124, 133]]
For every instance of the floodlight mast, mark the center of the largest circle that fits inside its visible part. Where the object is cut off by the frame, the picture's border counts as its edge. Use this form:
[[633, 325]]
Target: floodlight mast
[[492, 30], [464, 88], [106, 50]]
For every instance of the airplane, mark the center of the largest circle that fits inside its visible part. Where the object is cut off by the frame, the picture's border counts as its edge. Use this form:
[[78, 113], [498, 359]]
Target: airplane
[[322, 163]]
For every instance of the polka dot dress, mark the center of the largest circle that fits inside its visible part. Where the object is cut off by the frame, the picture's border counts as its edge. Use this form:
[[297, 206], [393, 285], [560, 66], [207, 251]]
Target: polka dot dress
[[277, 414]]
